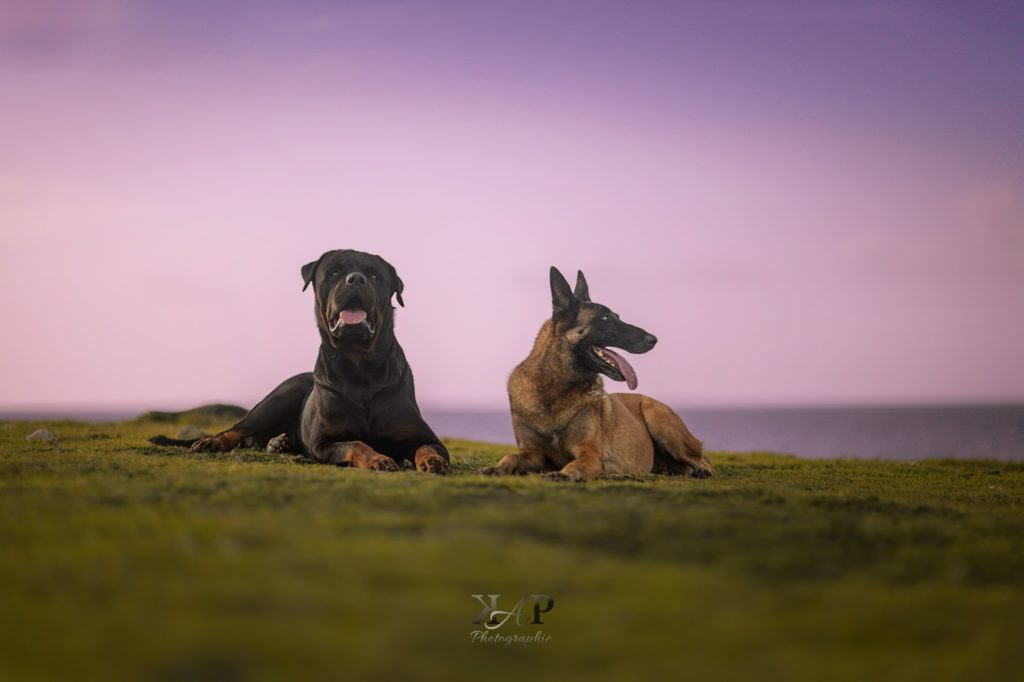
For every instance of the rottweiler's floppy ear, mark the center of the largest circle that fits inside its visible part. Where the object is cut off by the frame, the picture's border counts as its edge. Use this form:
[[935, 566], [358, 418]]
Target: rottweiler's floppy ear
[[562, 299], [582, 291], [398, 286], [309, 272]]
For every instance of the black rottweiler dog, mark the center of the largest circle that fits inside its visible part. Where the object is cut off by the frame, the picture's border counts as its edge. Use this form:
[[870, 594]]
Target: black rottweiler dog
[[358, 406]]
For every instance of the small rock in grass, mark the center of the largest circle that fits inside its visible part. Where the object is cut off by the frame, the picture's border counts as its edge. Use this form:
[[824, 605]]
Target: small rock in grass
[[42, 434], [190, 432]]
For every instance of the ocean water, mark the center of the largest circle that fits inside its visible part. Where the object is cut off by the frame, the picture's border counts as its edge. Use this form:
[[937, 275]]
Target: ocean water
[[968, 432], [900, 433]]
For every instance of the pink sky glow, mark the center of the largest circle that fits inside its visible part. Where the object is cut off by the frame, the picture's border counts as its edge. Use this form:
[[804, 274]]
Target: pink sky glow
[[806, 202]]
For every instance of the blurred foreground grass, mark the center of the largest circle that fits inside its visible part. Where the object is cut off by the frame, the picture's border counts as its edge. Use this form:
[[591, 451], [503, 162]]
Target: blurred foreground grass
[[123, 560]]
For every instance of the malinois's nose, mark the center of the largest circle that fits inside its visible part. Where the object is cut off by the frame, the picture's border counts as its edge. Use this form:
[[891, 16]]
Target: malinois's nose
[[356, 279], [650, 340]]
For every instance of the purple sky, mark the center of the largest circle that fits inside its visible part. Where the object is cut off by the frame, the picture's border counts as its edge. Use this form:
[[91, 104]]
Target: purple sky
[[807, 202]]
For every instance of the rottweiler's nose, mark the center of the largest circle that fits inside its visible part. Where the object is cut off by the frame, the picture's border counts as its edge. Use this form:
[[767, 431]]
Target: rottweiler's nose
[[650, 340], [356, 279]]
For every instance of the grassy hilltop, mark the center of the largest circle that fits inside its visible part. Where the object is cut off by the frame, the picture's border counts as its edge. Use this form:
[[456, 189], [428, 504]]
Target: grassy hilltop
[[124, 560]]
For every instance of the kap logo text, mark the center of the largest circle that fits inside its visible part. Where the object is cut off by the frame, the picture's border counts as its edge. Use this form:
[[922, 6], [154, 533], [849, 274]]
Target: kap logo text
[[525, 613]]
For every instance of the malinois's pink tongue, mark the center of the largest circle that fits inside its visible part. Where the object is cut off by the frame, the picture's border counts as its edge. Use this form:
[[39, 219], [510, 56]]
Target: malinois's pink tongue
[[353, 316], [624, 367]]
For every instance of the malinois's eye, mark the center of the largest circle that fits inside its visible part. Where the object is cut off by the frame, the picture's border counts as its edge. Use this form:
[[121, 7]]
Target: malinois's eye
[[332, 273], [373, 275], [604, 318]]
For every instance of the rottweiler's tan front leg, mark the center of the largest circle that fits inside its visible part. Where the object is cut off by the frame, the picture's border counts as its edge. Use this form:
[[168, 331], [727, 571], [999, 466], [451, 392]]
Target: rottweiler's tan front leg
[[587, 465], [520, 463], [354, 453], [225, 441], [430, 460]]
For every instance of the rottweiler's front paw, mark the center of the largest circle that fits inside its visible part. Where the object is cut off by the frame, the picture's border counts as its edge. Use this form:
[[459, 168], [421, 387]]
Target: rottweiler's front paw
[[491, 471], [208, 444], [381, 463], [431, 463]]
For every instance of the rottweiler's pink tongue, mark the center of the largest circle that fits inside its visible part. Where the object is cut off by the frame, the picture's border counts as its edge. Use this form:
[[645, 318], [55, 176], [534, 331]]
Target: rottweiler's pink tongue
[[353, 316], [624, 367]]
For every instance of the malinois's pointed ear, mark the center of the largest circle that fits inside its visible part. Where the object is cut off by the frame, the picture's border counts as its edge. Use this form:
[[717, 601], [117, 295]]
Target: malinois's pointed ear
[[582, 291], [562, 299], [309, 272]]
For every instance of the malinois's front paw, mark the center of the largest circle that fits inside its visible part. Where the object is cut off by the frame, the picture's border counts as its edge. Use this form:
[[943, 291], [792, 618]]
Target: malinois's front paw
[[381, 463], [703, 470], [563, 476], [501, 471], [208, 444], [431, 463]]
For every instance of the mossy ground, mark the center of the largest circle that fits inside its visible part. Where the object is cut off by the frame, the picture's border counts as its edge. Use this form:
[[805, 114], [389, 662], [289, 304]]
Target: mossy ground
[[124, 560]]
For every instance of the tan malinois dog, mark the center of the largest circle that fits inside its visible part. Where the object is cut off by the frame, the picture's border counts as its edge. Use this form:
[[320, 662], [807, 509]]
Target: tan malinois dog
[[565, 423]]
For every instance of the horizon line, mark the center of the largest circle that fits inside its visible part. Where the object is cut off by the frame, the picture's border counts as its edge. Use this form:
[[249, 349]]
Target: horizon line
[[42, 410]]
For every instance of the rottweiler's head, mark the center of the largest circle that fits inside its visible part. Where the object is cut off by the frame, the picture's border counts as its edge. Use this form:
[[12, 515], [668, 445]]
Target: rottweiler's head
[[590, 328], [353, 293]]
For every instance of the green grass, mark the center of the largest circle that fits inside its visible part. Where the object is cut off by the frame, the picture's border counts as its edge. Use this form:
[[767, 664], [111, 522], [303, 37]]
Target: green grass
[[123, 560]]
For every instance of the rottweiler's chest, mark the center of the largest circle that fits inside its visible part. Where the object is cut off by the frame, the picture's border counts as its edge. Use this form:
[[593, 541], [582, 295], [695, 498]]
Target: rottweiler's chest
[[336, 416]]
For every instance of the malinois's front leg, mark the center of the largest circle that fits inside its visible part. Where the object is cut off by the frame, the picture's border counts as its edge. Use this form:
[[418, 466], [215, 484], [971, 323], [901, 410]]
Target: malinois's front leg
[[523, 462], [587, 465]]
